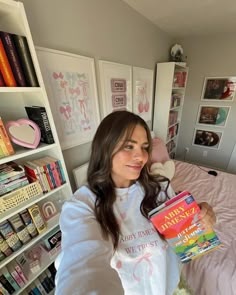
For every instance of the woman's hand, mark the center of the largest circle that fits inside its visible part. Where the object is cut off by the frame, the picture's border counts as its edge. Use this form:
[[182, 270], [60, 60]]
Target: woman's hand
[[207, 215]]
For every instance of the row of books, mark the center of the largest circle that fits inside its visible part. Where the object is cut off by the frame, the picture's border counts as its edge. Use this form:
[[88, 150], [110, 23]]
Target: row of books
[[179, 79], [172, 131], [16, 65], [173, 117], [12, 279], [19, 229], [170, 145], [175, 100], [47, 170]]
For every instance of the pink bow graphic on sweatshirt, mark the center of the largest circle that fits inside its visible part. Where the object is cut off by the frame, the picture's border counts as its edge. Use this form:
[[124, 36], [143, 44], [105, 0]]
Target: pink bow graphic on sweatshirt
[[145, 257]]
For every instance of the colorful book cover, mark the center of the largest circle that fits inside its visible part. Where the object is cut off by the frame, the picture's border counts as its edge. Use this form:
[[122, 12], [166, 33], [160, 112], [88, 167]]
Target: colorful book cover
[[13, 58], [52, 163], [6, 138], [6, 68], [2, 82], [178, 221], [10, 169], [10, 278]]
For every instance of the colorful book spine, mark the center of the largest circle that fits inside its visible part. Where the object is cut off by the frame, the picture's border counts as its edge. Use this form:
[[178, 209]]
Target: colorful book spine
[[40, 287], [52, 163], [20, 272], [15, 275], [43, 173], [10, 169], [6, 138], [20, 228], [13, 185], [6, 68], [10, 279], [61, 171], [2, 82], [3, 291], [22, 48], [42, 163], [34, 174], [10, 236], [37, 218], [39, 116], [28, 221], [13, 58], [6, 284], [3, 147]]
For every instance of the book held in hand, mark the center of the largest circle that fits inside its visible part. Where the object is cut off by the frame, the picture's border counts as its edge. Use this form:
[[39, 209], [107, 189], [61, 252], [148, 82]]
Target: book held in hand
[[177, 220]]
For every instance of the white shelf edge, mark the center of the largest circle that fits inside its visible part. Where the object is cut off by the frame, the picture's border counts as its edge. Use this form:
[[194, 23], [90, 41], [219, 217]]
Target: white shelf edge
[[19, 89], [13, 211], [51, 224], [24, 153]]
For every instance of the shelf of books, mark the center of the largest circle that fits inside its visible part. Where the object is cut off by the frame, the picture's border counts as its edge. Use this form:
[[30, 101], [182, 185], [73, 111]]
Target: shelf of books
[[171, 79], [33, 180]]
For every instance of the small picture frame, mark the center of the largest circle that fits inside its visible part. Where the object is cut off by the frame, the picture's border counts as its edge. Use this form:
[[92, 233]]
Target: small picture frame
[[207, 138], [213, 115], [219, 89]]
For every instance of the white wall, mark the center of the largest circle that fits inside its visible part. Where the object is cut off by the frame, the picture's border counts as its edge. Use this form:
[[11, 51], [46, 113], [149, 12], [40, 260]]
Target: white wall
[[207, 57], [104, 29]]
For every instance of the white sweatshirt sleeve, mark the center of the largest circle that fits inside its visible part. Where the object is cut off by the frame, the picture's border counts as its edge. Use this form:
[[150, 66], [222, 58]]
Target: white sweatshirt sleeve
[[83, 266]]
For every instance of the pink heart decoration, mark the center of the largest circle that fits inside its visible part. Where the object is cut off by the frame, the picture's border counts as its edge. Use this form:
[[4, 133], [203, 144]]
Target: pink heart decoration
[[20, 141]]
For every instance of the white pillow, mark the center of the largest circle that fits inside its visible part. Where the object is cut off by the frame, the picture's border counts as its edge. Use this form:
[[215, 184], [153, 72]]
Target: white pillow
[[167, 169]]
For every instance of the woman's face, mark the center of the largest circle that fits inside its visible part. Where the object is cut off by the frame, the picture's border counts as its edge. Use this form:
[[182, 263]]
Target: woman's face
[[129, 161]]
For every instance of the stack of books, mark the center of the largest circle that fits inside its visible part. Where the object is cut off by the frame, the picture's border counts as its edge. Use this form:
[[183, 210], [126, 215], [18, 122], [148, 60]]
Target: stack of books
[[16, 65], [47, 170], [6, 148], [12, 177]]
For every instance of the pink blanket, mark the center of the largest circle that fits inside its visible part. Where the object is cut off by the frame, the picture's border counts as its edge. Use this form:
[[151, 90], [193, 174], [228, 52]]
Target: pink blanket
[[215, 272]]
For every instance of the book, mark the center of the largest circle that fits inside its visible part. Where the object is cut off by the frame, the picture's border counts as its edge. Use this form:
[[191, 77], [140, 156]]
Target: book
[[3, 291], [2, 82], [40, 168], [6, 138], [19, 270], [13, 185], [34, 173], [23, 51], [6, 68], [13, 58], [52, 162], [177, 220], [15, 275], [10, 169], [10, 279], [39, 115], [6, 284], [40, 286]]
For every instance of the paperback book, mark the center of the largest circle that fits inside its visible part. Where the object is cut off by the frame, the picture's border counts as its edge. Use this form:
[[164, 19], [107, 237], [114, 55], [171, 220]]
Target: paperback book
[[177, 220]]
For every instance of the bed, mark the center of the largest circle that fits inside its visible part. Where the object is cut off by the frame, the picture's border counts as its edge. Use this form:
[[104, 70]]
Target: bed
[[215, 272]]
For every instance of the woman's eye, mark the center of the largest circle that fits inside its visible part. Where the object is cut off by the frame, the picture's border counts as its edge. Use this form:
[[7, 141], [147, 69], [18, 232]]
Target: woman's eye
[[128, 147]]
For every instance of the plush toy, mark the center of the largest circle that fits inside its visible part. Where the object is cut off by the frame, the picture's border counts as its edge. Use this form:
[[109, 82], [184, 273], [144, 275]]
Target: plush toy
[[167, 169]]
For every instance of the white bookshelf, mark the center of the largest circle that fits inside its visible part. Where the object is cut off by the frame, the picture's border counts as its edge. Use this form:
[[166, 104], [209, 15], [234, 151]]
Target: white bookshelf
[[12, 107], [166, 88]]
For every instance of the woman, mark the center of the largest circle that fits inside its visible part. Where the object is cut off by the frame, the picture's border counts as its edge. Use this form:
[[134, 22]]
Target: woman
[[108, 244]]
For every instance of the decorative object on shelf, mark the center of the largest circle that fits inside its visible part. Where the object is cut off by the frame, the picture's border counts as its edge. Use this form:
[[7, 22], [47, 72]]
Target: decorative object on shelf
[[80, 174], [176, 54], [71, 86], [143, 92], [48, 210], [24, 132], [213, 115], [207, 138], [116, 86], [222, 88]]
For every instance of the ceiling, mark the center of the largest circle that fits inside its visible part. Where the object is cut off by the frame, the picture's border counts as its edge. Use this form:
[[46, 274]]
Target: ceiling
[[189, 17]]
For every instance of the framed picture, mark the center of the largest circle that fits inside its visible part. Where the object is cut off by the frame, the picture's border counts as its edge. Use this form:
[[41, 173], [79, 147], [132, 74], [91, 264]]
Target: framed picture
[[71, 87], [207, 138], [222, 89], [143, 92], [116, 87], [213, 115]]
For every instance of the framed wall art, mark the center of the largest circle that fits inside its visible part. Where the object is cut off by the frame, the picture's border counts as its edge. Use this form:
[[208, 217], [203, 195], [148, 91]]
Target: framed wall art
[[207, 138], [143, 92], [222, 89], [116, 87], [71, 86], [213, 115]]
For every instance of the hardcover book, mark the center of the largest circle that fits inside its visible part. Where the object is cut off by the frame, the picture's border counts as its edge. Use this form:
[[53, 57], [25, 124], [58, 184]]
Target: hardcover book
[[23, 51], [177, 220], [13, 58], [39, 115]]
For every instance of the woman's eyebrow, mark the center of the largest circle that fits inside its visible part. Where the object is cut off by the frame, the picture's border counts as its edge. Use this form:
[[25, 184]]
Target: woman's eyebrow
[[134, 141]]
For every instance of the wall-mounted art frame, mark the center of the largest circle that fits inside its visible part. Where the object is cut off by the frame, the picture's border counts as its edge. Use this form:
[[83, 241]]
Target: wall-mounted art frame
[[143, 92], [207, 138], [213, 115], [219, 88], [116, 87], [71, 87]]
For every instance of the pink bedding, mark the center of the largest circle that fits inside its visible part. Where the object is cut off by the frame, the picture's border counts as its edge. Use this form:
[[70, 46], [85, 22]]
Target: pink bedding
[[215, 272]]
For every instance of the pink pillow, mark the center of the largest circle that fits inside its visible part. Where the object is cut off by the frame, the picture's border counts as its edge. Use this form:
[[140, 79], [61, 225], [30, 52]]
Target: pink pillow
[[159, 151]]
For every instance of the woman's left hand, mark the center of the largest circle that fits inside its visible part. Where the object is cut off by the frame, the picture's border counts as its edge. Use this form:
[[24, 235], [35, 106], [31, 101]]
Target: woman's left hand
[[207, 215]]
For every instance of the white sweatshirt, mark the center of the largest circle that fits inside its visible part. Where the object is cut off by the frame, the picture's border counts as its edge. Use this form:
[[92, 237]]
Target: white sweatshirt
[[143, 264]]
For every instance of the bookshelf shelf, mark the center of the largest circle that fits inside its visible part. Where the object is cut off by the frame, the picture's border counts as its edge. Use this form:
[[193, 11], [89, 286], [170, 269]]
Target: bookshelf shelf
[[22, 153], [171, 80], [13, 101], [11, 212], [51, 224]]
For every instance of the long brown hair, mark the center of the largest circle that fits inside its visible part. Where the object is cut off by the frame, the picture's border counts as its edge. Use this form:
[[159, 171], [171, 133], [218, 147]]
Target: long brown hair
[[114, 127]]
